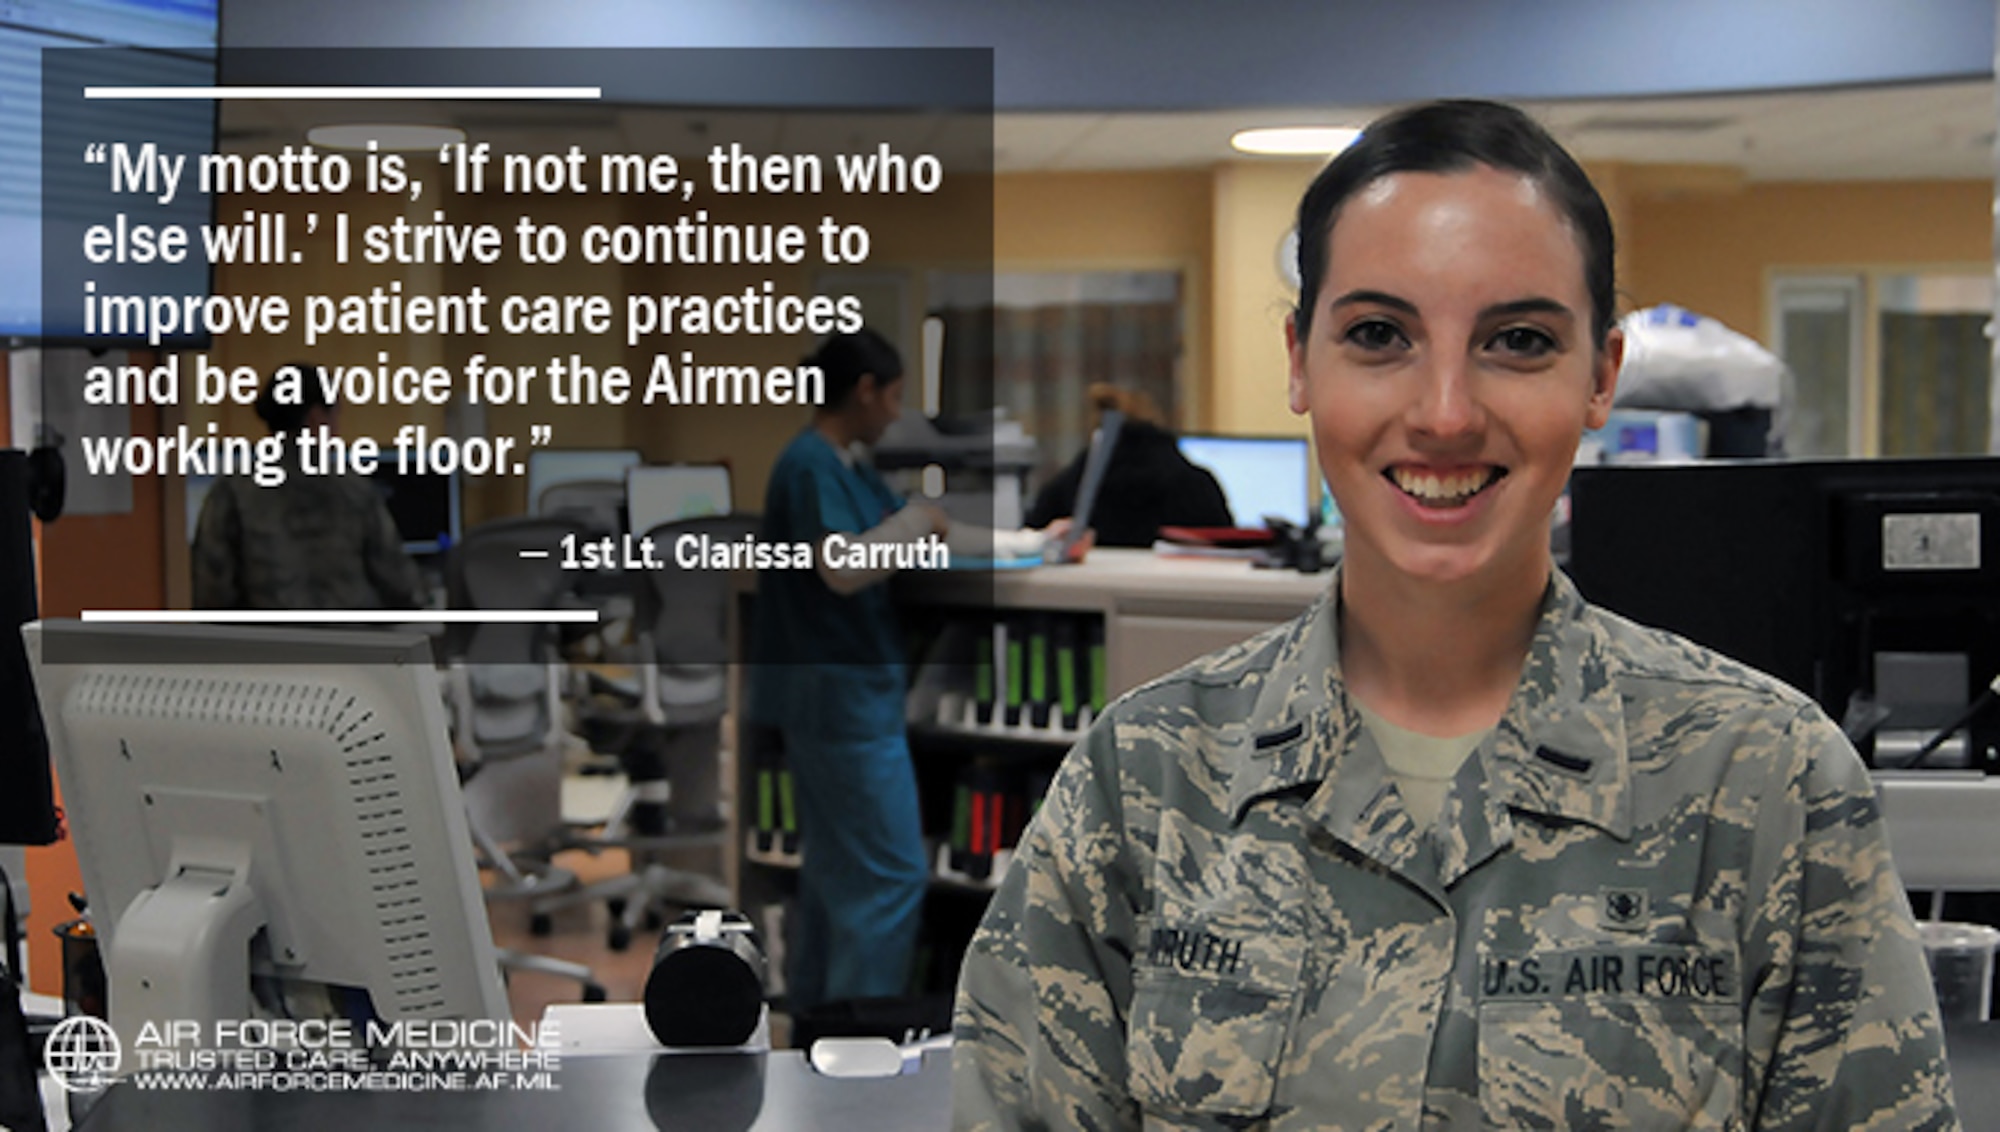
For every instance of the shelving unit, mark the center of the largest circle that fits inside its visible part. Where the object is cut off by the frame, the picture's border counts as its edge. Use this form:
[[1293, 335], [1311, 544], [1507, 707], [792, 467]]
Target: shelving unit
[[1152, 614]]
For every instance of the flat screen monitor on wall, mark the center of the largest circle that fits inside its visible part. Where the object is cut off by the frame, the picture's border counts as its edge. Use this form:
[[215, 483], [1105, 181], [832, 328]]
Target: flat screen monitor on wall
[[268, 822], [46, 190], [1260, 475]]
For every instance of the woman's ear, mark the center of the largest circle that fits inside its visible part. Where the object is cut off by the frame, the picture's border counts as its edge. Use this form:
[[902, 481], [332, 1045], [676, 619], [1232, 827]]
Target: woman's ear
[[1295, 352], [1604, 378]]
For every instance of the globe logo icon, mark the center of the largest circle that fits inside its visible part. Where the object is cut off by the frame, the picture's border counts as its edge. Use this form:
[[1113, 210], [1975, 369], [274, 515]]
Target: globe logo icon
[[82, 1053]]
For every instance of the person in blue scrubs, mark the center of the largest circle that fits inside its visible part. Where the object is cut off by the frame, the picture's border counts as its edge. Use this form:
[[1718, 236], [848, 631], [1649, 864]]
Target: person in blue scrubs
[[828, 673]]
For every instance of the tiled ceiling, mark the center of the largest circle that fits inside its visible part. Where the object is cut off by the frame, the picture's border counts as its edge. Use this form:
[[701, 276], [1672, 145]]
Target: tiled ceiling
[[1924, 131]]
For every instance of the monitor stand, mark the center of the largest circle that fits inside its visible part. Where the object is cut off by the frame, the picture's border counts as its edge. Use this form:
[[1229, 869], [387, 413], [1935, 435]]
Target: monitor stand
[[182, 951]]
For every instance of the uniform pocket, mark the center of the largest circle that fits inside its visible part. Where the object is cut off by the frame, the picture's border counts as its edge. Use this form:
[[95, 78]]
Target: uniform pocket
[[1611, 1061], [1211, 1010]]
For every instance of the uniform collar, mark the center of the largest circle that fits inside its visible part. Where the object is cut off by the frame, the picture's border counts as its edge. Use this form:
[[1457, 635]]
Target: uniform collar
[[1559, 750]]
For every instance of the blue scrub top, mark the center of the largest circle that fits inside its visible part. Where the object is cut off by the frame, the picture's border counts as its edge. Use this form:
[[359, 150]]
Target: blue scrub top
[[821, 660]]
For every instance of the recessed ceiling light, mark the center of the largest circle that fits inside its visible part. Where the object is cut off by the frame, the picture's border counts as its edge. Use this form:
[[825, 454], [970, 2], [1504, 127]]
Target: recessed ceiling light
[[385, 135], [1294, 141]]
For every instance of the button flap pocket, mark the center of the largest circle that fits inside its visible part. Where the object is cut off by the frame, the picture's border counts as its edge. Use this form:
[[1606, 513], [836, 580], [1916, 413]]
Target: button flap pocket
[[1212, 1006]]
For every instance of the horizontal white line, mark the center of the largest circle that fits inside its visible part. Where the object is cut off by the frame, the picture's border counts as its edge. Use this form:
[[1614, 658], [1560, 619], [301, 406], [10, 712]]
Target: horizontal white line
[[341, 616], [275, 93], [534, 554]]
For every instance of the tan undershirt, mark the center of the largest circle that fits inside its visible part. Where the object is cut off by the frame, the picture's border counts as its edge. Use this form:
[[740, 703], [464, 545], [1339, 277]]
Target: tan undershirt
[[1421, 766]]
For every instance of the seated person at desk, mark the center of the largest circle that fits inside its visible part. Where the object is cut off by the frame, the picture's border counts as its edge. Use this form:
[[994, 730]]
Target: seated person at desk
[[310, 542], [1453, 849], [1147, 485]]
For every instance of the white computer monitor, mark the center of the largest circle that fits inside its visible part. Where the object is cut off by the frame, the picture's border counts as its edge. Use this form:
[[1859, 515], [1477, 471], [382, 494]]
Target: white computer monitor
[[551, 466], [268, 823], [1260, 475], [665, 493]]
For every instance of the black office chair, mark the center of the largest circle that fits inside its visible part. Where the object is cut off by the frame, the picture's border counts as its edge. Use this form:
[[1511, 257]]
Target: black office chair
[[665, 726], [505, 685]]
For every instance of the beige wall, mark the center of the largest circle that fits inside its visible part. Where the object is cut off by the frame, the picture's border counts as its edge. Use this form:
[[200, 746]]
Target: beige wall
[[1697, 236], [1254, 208], [1713, 251], [1220, 227], [1119, 221]]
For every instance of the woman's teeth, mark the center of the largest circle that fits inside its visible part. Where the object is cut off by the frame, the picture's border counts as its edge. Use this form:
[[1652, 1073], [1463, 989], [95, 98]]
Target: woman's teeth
[[1450, 490]]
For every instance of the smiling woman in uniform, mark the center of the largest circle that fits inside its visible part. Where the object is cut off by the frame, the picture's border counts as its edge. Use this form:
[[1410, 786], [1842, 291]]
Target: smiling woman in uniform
[[1454, 848]]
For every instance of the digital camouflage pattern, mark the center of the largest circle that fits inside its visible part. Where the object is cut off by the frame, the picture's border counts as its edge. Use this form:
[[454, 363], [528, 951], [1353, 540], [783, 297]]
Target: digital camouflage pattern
[[1659, 897], [312, 542]]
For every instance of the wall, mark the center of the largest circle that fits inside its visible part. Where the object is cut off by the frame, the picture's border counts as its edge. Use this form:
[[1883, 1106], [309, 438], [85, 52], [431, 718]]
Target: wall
[[1254, 203], [1698, 236], [1120, 221], [1712, 251]]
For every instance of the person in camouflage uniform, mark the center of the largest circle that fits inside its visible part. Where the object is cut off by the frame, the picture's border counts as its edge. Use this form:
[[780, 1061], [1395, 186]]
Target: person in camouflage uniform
[[311, 542], [1655, 892]]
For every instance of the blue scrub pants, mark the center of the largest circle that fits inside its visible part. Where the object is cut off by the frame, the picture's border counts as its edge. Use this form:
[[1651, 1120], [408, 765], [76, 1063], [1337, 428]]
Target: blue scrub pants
[[861, 888]]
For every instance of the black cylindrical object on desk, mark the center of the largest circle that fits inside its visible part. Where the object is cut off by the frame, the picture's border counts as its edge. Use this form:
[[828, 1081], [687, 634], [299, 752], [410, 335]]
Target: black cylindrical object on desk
[[706, 987]]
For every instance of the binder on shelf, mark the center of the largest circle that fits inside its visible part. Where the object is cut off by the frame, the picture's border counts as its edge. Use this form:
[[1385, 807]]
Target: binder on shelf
[[1100, 682], [960, 845], [1039, 675], [987, 816], [1063, 639], [1014, 632], [766, 829], [788, 814], [985, 669]]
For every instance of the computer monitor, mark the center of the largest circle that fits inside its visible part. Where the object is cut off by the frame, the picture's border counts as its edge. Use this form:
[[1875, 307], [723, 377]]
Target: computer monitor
[[552, 466], [268, 823], [425, 505], [664, 493], [1260, 475], [1871, 585]]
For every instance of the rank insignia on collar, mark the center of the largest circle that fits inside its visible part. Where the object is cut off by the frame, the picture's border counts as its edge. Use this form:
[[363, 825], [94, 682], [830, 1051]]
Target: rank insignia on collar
[[1625, 908]]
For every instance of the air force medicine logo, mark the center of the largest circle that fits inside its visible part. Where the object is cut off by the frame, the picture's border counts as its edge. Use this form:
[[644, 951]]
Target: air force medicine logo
[[82, 1054]]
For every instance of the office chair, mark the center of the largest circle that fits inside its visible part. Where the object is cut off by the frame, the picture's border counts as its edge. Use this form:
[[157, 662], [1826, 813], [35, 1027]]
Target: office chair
[[504, 684], [666, 728]]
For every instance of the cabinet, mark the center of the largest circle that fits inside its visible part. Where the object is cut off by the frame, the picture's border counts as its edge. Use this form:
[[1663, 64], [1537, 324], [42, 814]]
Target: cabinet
[[1148, 614]]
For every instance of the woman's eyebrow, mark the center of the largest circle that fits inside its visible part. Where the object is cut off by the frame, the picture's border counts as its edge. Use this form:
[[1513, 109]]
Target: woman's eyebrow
[[1378, 298], [1535, 305], [1531, 305]]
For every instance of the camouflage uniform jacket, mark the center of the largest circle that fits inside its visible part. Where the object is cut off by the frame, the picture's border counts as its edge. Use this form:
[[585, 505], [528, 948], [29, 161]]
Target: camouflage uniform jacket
[[311, 542], [1659, 896]]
